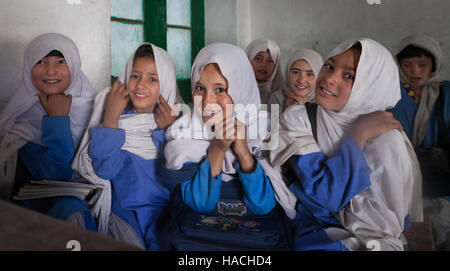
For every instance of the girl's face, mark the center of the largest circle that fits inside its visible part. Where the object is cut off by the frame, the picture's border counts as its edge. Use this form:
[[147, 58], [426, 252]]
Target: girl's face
[[212, 88], [263, 66], [143, 85], [335, 80], [51, 75], [417, 69], [301, 78]]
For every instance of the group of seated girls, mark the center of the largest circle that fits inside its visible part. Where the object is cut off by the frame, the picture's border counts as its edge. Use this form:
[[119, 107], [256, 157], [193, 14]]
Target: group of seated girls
[[344, 173]]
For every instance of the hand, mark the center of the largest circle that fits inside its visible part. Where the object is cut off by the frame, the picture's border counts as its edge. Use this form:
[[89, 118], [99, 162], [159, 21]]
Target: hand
[[116, 102], [240, 148], [292, 98], [163, 114], [56, 104], [371, 125]]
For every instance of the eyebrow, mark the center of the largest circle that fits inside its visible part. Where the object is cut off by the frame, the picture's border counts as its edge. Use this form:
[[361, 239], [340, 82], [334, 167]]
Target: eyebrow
[[345, 66], [297, 69], [151, 73]]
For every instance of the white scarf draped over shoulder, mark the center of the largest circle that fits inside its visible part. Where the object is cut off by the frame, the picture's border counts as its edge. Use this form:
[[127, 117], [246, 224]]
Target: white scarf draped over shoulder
[[187, 143], [378, 213], [21, 120], [430, 90], [138, 130], [275, 81]]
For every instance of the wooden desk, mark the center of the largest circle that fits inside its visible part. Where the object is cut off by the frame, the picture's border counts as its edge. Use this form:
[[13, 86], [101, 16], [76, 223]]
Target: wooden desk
[[25, 230]]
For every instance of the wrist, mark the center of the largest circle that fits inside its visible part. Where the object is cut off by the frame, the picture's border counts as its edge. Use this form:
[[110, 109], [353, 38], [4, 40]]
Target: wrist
[[110, 122]]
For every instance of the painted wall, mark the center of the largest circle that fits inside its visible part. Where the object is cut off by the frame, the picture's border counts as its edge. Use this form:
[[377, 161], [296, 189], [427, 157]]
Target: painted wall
[[322, 24], [85, 21]]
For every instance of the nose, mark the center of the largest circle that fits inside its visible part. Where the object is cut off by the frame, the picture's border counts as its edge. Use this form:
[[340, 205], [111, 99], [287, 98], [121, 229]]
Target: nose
[[140, 84], [332, 77], [51, 69], [415, 69], [301, 77], [208, 98]]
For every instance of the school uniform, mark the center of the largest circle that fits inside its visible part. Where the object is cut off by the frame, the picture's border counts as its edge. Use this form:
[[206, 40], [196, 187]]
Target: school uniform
[[126, 163], [348, 198], [188, 170], [46, 144], [420, 119]]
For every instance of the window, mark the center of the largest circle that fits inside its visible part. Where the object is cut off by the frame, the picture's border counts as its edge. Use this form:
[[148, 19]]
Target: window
[[175, 25]]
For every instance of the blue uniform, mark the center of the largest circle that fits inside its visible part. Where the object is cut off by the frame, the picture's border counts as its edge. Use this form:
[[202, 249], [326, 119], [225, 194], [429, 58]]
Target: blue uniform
[[52, 162], [405, 112], [202, 192], [138, 196], [325, 185]]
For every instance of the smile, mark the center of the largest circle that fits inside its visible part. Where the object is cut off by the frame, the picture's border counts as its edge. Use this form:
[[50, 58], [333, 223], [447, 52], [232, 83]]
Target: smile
[[327, 92], [51, 81]]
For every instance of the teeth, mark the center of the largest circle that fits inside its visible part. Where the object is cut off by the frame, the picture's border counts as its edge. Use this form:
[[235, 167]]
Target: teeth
[[51, 81], [327, 92], [140, 95], [209, 113]]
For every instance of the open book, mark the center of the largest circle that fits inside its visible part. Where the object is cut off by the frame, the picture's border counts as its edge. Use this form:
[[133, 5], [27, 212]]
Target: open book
[[47, 188]]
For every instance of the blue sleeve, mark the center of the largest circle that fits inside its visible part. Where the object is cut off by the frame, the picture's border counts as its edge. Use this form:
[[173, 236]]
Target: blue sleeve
[[330, 183], [54, 160], [159, 139], [105, 151], [258, 192], [202, 192]]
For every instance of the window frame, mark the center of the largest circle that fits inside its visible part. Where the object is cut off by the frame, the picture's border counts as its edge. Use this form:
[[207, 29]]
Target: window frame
[[155, 31]]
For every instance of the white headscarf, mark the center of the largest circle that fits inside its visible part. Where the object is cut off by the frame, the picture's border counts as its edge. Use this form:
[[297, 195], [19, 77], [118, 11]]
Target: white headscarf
[[377, 213], [21, 120], [275, 81], [23, 114], [430, 90], [243, 90], [138, 129], [314, 60]]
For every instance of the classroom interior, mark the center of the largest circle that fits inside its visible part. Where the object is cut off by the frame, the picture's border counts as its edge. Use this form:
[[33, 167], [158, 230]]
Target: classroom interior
[[107, 31]]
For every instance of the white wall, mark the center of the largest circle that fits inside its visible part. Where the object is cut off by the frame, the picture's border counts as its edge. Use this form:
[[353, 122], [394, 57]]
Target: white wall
[[322, 24], [86, 23]]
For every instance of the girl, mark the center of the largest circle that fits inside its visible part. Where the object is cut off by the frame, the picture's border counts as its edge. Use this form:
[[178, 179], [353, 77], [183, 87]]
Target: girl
[[44, 121], [264, 55], [365, 185], [124, 148], [301, 70], [208, 166], [424, 109]]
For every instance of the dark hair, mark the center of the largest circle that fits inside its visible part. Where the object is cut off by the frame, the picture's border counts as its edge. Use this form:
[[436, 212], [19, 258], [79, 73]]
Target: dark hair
[[144, 50], [55, 53], [414, 51]]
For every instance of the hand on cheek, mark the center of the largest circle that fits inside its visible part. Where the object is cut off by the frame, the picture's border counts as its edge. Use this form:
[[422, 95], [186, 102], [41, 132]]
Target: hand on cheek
[[116, 102]]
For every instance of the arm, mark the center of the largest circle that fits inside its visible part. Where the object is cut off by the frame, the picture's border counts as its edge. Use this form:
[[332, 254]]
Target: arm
[[53, 161], [203, 191], [330, 183], [105, 151], [258, 192]]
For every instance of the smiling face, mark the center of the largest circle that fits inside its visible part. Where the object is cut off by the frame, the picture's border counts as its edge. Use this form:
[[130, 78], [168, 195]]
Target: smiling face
[[143, 85], [212, 88], [263, 66], [301, 78], [335, 81], [417, 69], [51, 75]]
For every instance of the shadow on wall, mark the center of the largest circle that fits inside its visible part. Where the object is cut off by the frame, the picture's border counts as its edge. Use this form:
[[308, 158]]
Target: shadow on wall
[[12, 55]]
